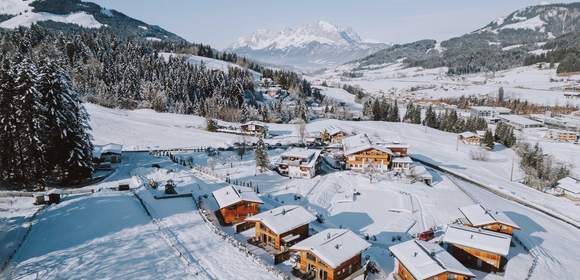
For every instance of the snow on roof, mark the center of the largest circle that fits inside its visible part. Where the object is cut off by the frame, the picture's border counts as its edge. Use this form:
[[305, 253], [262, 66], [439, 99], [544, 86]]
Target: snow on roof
[[256, 123], [422, 172], [332, 130], [479, 216], [298, 153], [489, 108], [359, 143], [467, 134], [395, 145], [403, 160], [309, 155], [333, 246], [520, 120], [425, 260], [284, 218], [230, 195], [111, 148], [570, 184], [477, 238]]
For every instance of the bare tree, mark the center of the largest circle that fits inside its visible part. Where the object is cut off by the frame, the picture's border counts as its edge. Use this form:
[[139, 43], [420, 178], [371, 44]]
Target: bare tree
[[302, 130], [242, 147]]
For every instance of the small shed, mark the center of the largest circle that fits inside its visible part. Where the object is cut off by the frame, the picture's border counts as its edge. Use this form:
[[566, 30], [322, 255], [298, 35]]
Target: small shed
[[54, 196], [422, 174]]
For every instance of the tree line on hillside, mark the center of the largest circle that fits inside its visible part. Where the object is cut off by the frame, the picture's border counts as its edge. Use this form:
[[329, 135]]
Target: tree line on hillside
[[516, 105], [128, 73], [44, 128]]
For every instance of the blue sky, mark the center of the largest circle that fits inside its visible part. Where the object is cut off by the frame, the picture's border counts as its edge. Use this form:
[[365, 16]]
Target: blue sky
[[221, 22]]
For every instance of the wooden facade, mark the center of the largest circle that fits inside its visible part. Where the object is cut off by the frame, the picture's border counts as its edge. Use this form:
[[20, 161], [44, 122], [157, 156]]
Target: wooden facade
[[378, 159], [404, 274], [266, 235], [238, 212], [310, 264], [497, 227], [475, 258], [254, 128], [471, 140], [334, 138]]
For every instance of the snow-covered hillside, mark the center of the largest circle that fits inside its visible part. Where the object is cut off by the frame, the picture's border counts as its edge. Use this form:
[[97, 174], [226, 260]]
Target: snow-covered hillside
[[540, 86], [210, 63], [73, 14], [310, 47]]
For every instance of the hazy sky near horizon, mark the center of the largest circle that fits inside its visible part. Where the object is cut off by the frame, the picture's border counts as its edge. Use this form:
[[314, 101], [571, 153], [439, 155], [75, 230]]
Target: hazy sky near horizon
[[221, 22]]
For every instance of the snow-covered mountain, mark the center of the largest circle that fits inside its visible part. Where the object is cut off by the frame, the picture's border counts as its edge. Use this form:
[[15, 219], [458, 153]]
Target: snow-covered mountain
[[309, 47], [503, 43], [69, 15]]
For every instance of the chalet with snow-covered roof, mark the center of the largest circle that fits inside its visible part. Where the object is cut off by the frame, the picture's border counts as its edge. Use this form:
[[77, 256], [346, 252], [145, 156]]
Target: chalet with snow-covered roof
[[420, 260], [110, 153], [479, 217], [362, 155], [332, 135], [255, 128], [476, 247], [282, 227], [299, 163], [236, 203], [470, 138], [332, 254], [569, 187]]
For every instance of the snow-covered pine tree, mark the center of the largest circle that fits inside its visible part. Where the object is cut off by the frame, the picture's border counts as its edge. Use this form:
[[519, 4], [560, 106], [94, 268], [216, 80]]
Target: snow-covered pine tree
[[30, 146], [488, 140], [69, 148], [8, 122], [261, 155]]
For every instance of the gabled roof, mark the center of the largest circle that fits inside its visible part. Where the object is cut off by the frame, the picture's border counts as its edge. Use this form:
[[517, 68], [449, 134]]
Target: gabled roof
[[355, 143], [284, 218], [403, 160], [425, 260], [468, 134], [257, 123], [570, 184], [112, 148], [310, 155], [333, 130], [477, 238], [479, 216], [333, 246], [230, 195]]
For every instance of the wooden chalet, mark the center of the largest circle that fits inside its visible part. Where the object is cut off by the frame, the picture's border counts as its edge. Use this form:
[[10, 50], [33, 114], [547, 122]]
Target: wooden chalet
[[478, 248], [282, 227], [470, 138], [421, 260], [479, 217], [332, 254], [361, 155], [236, 203], [332, 135], [398, 149], [254, 128], [299, 163]]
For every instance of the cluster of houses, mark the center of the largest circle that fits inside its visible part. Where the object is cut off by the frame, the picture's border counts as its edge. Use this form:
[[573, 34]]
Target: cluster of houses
[[285, 231], [480, 240], [358, 152], [251, 128]]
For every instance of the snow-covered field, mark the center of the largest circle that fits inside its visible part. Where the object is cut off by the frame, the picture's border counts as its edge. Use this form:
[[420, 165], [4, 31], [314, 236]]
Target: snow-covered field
[[341, 95], [99, 235], [527, 83]]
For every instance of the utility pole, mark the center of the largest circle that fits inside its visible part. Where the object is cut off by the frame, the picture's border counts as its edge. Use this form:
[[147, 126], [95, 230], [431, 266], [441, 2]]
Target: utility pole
[[512, 171]]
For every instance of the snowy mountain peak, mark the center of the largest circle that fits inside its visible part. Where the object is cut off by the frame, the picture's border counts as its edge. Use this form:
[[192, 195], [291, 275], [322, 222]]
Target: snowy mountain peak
[[318, 44], [321, 32]]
